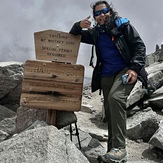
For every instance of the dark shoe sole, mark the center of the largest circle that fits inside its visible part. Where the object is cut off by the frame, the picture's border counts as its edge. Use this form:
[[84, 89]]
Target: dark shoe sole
[[101, 161], [111, 161], [119, 161]]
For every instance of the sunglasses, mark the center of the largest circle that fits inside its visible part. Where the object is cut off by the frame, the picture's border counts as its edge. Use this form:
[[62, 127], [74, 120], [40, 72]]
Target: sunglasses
[[104, 11]]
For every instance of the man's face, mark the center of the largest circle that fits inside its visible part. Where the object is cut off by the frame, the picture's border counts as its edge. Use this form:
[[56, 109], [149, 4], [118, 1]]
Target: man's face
[[101, 14]]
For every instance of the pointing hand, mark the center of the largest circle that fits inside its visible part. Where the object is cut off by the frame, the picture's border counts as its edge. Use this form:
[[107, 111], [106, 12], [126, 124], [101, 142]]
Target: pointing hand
[[86, 23]]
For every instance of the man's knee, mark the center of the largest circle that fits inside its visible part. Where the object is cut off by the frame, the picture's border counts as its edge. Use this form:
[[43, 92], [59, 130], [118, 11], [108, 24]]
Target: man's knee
[[116, 97]]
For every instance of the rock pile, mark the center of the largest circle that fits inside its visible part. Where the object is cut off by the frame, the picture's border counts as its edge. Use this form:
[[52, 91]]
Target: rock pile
[[25, 136]]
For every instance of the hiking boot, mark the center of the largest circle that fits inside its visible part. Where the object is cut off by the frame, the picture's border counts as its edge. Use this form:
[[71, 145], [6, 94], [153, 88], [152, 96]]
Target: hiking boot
[[115, 155]]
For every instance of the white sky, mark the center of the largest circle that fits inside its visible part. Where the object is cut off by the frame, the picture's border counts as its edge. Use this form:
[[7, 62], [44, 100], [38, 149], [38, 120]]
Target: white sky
[[21, 18]]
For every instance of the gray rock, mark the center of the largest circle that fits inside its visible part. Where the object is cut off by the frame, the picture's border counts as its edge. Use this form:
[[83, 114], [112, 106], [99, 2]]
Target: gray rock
[[142, 125], [65, 118], [37, 124], [8, 125], [84, 137], [91, 147], [93, 150], [86, 108], [157, 139], [44, 144], [155, 67], [156, 79], [3, 135], [27, 116], [11, 75], [6, 113], [10, 84], [157, 56], [138, 161], [136, 94], [156, 99]]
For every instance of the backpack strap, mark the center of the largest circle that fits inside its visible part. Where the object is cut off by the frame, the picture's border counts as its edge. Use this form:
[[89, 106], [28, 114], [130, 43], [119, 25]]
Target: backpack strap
[[92, 56]]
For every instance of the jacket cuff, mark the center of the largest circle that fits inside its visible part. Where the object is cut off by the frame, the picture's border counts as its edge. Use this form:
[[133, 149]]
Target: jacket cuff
[[136, 67], [78, 25]]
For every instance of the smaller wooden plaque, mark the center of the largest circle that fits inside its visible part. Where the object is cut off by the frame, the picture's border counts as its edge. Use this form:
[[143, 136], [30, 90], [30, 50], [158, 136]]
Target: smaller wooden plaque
[[51, 45]]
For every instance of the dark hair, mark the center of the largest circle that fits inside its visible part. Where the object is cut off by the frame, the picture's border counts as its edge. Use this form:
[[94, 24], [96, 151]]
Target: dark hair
[[112, 12]]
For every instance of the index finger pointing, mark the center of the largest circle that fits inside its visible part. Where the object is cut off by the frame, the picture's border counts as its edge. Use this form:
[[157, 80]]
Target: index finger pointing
[[88, 17]]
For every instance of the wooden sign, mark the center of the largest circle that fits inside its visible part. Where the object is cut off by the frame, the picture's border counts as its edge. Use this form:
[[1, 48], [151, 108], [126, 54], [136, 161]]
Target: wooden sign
[[52, 85], [56, 46]]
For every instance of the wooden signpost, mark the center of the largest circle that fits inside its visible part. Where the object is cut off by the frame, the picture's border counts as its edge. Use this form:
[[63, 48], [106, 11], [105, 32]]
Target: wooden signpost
[[54, 81]]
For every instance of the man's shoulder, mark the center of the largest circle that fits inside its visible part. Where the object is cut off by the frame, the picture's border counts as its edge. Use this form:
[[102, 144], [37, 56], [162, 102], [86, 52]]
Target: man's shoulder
[[119, 21]]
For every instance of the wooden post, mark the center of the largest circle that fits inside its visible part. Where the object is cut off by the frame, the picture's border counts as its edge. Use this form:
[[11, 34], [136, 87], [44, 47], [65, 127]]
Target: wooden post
[[56, 82], [51, 117]]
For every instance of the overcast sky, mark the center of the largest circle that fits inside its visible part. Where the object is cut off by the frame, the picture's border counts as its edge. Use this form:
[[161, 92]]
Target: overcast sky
[[21, 18]]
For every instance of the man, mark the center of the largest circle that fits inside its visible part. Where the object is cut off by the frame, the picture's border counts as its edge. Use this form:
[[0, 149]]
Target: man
[[119, 50]]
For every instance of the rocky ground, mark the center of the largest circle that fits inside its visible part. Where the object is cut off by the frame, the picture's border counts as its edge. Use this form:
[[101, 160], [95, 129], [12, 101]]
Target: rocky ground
[[89, 120]]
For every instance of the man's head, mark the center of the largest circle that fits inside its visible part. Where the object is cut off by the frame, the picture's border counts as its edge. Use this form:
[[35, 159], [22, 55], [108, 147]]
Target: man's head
[[101, 11]]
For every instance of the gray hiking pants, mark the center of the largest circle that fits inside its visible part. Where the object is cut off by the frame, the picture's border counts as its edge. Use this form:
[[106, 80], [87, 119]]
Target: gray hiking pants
[[115, 95]]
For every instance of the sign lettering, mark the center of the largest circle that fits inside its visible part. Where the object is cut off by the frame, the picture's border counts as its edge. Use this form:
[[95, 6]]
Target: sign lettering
[[56, 46]]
